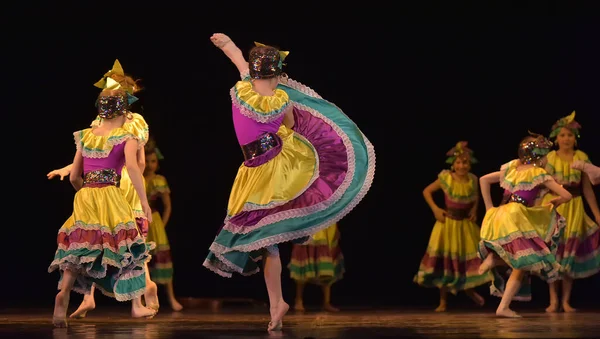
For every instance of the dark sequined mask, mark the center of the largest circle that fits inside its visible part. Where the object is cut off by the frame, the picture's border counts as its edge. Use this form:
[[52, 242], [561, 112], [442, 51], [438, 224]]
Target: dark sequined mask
[[112, 106]]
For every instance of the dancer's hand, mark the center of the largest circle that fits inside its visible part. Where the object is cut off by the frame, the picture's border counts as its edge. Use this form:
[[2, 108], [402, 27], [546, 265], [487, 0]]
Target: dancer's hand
[[220, 39], [440, 214], [578, 165], [147, 211], [473, 216], [63, 172], [558, 201]]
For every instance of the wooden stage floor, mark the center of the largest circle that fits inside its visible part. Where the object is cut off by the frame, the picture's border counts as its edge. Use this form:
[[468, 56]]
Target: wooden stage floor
[[251, 322]]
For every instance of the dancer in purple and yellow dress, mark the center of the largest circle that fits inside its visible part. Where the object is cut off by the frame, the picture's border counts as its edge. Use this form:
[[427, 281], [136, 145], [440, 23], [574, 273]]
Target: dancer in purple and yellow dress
[[100, 243], [451, 262], [320, 262], [579, 247], [158, 192], [306, 166], [521, 233], [136, 125]]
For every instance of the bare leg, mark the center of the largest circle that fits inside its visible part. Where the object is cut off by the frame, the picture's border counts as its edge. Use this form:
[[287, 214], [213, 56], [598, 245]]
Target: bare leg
[[299, 303], [175, 305], [490, 262], [512, 287], [553, 289], [272, 273], [87, 304], [140, 311], [151, 292], [567, 287], [443, 300], [327, 299], [478, 299], [61, 302]]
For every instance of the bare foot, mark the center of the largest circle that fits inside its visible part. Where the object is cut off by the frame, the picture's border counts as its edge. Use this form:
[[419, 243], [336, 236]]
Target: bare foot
[[61, 303], [507, 313], [142, 312], [175, 305], [330, 308], [441, 308], [151, 296], [276, 322], [299, 306], [568, 308], [86, 305], [487, 264], [553, 308], [476, 297]]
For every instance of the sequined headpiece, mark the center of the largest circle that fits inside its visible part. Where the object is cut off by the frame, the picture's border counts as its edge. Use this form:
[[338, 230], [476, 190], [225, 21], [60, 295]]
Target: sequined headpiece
[[116, 79], [265, 61], [566, 122], [458, 151], [530, 152]]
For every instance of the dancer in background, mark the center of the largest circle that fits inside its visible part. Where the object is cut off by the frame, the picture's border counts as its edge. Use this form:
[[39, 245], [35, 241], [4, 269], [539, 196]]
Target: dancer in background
[[451, 262], [521, 233], [579, 247], [319, 262], [100, 243], [306, 166], [136, 125], [158, 192]]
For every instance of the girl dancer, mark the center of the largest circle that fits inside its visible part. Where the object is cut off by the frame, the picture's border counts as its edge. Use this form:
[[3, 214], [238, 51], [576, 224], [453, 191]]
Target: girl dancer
[[157, 190], [136, 125], [306, 166], [579, 247], [451, 262], [318, 262], [521, 233], [100, 242]]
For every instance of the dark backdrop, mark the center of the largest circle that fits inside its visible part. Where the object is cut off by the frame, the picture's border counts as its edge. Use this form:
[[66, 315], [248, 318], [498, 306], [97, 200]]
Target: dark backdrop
[[415, 88]]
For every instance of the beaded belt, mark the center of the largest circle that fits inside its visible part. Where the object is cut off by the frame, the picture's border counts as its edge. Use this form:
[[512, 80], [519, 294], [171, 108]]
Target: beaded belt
[[575, 190], [514, 198], [457, 213], [260, 146], [102, 177]]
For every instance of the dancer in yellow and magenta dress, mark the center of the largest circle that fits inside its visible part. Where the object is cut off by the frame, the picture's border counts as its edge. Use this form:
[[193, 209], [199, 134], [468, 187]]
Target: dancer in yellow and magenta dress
[[521, 233], [136, 125], [579, 247], [306, 166], [159, 193], [100, 243], [319, 262], [451, 262]]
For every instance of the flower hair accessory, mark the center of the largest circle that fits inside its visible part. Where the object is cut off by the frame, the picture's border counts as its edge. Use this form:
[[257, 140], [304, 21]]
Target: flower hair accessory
[[458, 151], [532, 151], [566, 122]]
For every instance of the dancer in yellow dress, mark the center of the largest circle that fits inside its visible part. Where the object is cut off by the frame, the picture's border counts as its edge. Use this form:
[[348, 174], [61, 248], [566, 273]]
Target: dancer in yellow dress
[[320, 262], [521, 233], [158, 192], [100, 243], [579, 247], [451, 262], [136, 125]]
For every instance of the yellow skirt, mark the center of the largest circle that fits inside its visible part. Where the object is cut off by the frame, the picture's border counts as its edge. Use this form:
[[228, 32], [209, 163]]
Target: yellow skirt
[[130, 194], [278, 181]]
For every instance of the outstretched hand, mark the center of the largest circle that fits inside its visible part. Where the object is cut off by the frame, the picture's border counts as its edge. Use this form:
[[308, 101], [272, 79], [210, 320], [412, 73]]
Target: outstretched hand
[[59, 172], [220, 39]]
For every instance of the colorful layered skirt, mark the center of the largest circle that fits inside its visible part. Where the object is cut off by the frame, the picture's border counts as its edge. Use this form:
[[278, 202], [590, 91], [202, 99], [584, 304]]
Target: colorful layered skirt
[[321, 171], [161, 266], [525, 238], [320, 261], [579, 248], [101, 243], [451, 259]]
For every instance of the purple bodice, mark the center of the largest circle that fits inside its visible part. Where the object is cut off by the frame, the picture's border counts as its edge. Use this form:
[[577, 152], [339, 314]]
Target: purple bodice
[[248, 130], [115, 160], [528, 197]]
